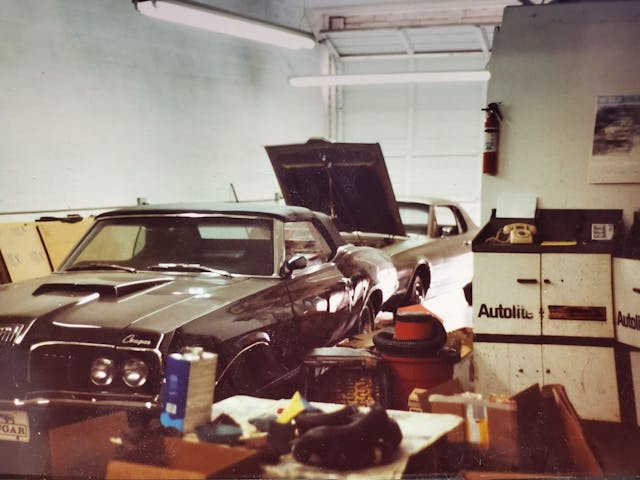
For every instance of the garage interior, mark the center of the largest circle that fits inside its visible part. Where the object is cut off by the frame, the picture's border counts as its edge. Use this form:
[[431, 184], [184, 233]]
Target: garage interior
[[107, 108]]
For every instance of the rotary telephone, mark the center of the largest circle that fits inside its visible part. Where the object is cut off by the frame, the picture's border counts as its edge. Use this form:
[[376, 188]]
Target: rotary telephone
[[519, 232]]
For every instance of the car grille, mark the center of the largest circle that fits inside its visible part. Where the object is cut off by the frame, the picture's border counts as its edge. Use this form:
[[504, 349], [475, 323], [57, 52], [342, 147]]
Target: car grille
[[8, 334]]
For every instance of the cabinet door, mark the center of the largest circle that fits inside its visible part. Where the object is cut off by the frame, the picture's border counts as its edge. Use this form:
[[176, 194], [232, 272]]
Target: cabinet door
[[576, 295], [635, 375], [506, 368], [506, 293], [589, 377], [626, 291]]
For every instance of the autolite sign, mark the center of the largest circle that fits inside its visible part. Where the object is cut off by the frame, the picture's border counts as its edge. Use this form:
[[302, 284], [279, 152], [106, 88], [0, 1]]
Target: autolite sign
[[508, 312], [628, 321]]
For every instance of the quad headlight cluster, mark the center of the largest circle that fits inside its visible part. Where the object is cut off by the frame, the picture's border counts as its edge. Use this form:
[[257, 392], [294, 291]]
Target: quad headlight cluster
[[134, 372]]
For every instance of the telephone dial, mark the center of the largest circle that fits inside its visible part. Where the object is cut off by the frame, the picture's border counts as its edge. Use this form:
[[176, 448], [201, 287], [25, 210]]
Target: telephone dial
[[519, 232]]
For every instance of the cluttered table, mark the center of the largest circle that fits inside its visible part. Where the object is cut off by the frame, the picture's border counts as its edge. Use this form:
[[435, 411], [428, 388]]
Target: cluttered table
[[419, 431]]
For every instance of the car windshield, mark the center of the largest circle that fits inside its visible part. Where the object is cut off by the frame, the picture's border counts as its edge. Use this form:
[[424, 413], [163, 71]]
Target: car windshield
[[414, 217], [218, 245]]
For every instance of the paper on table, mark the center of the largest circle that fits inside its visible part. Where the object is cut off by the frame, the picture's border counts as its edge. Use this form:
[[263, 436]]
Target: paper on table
[[516, 205]]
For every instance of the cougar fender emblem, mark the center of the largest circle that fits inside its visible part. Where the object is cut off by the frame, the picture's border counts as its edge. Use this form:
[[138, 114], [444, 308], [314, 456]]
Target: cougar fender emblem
[[131, 339]]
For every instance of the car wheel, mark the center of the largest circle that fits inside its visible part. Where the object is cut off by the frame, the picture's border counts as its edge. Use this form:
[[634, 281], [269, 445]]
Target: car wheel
[[366, 319], [468, 292], [417, 291]]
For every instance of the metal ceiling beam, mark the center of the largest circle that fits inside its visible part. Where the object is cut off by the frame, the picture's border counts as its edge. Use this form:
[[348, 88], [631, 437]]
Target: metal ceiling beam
[[325, 40], [406, 41], [484, 39], [421, 55]]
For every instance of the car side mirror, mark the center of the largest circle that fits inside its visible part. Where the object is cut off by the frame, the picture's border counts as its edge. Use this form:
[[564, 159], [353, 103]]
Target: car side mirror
[[297, 262], [448, 230]]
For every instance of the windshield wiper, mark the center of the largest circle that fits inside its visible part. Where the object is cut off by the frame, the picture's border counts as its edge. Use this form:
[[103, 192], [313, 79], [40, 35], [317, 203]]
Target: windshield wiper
[[188, 267], [101, 266]]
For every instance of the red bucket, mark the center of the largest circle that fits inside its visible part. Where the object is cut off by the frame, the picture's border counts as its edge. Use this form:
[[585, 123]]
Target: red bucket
[[413, 326], [416, 372]]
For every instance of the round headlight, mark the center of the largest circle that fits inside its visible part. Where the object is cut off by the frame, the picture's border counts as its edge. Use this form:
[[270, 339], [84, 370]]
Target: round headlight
[[102, 371], [135, 373]]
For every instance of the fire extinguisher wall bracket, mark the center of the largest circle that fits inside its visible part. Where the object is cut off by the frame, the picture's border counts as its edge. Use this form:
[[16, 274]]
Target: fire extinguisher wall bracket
[[491, 138]]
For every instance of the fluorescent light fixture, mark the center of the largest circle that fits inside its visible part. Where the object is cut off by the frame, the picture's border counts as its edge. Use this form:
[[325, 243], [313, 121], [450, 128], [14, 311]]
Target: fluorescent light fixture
[[390, 78], [209, 18]]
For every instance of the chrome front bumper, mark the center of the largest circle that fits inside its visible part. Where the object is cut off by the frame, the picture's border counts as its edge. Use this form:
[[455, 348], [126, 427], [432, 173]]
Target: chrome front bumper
[[85, 401]]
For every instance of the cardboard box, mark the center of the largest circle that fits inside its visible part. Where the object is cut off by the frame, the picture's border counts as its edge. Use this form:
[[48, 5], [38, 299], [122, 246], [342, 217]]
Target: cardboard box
[[22, 253], [492, 426], [83, 449], [472, 408], [536, 430], [190, 460], [419, 397]]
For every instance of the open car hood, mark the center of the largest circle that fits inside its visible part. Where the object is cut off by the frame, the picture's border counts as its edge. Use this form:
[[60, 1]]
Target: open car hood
[[348, 181]]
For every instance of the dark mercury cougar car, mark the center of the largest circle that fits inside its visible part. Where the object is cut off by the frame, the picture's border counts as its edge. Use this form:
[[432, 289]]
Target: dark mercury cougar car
[[258, 284]]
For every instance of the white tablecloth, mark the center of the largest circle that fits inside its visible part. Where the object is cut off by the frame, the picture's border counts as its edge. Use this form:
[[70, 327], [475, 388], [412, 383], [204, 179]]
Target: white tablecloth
[[419, 430]]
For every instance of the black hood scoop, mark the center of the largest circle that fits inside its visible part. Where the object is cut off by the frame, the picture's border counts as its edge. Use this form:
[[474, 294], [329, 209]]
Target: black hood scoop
[[106, 289]]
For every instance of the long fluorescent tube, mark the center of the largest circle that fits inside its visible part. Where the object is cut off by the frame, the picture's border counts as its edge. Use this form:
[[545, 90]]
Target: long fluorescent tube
[[197, 15], [390, 78]]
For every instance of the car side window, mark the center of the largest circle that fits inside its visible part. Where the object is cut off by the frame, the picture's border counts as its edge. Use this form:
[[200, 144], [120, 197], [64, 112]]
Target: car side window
[[303, 238], [448, 221]]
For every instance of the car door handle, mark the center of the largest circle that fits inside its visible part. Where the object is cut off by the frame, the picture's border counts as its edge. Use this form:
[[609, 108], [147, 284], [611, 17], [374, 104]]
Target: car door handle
[[527, 280], [466, 243], [637, 290]]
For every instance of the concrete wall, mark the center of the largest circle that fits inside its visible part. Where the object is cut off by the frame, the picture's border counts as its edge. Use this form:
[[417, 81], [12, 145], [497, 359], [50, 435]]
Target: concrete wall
[[101, 105], [549, 64]]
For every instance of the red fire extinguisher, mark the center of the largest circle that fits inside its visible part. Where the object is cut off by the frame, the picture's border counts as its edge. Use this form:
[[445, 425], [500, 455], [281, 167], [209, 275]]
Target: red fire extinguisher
[[491, 134]]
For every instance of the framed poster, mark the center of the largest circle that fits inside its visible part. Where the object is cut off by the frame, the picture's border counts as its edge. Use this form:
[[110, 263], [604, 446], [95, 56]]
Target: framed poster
[[615, 154]]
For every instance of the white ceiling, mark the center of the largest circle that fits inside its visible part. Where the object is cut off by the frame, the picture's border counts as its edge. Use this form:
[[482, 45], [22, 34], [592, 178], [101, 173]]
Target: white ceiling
[[361, 29]]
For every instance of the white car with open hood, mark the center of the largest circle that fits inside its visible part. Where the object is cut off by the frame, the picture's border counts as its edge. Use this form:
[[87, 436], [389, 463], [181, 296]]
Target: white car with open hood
[[429, 240]]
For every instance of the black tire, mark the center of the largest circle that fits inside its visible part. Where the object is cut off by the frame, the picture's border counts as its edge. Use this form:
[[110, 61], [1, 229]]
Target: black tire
[[366, 319], [468, 293], [417, 291], [385, 342]]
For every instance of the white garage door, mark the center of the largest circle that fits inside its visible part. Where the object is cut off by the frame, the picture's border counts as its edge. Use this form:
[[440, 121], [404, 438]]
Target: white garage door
[[431, 135]]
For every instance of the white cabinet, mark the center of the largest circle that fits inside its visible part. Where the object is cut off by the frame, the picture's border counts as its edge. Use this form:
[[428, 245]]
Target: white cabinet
[[560, 294], [547, 318], [543, 311], [626, 281], [587, 373], [626, 293]]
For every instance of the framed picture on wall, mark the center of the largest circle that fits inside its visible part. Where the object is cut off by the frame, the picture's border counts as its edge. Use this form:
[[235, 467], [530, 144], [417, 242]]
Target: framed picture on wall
[[615, 154]]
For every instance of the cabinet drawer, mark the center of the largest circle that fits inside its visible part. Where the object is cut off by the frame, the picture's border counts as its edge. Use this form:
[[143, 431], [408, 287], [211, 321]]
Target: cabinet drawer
[[626, 288]]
